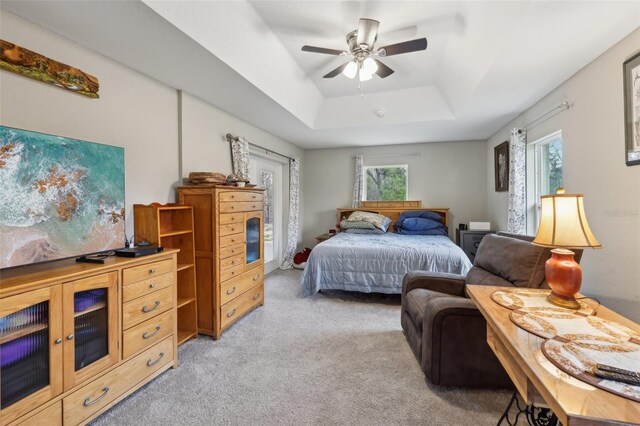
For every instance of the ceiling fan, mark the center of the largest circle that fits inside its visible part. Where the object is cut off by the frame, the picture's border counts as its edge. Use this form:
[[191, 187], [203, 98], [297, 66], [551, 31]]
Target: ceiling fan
[[361, 46]]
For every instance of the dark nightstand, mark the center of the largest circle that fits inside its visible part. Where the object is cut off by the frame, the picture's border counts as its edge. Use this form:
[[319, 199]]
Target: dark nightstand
[[324, 237], [470, 240]]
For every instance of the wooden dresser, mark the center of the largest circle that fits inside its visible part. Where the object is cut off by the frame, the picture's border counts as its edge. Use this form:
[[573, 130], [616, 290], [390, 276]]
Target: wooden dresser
[[229, 242], [77, 338]]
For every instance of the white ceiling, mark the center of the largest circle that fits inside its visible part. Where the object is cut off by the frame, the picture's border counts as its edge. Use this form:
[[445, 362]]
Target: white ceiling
[[486, 61]]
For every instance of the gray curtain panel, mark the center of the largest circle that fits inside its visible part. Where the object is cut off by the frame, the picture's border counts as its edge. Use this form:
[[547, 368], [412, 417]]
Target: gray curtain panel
[[517, 210], [294, 208], [358, 181], [240, 157]]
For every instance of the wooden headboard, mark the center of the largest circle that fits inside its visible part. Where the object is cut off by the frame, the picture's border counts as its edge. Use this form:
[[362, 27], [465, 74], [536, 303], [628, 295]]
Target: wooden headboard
[[392, 209]]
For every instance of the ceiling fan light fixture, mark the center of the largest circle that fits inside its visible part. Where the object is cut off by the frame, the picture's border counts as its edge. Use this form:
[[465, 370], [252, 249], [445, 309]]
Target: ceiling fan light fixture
[[350, 70], [369, 66], [363, 75]]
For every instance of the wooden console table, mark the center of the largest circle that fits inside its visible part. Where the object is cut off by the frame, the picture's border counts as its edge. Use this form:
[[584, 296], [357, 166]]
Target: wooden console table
[[542, 384]]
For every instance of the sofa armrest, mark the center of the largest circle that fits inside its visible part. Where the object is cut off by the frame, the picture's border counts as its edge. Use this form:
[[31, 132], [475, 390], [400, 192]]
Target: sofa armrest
[[454, 345], [452, 284]]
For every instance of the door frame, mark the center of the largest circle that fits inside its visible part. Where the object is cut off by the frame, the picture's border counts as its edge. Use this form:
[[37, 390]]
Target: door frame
[[278, 206]]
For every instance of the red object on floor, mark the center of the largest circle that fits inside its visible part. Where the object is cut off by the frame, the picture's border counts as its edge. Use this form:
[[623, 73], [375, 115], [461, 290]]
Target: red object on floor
[[302, 256]]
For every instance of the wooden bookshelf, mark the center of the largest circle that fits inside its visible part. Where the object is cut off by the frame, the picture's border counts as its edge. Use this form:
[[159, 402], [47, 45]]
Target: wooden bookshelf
[[171, 226]]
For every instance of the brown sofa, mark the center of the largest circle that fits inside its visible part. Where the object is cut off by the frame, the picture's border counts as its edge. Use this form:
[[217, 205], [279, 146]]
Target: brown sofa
[[445, 330]]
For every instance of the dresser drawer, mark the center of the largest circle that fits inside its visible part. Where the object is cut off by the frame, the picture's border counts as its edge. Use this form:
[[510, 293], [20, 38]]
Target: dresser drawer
[[147, 334], [241, 196], [241, 305], [235, 250], [243, 206], [230, 240], [144, 287], [93, 397], [228, 218], [146, 307], [230, 262], [234, 288], [150, 270], [50, 416], [227, 274], [232, 228]]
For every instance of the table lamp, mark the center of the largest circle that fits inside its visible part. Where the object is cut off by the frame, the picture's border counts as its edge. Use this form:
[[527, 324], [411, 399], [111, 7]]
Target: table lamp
[[563, 225]]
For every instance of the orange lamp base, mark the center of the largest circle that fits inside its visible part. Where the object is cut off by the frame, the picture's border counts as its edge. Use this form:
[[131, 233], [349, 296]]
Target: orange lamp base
[[564, 277]]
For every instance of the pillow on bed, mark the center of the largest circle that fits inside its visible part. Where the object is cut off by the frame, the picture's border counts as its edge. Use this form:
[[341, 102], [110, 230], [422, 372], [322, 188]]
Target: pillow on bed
[[378, 220], [359, 224], [419, 224], [374, 231], [425, 214], [434, 231]]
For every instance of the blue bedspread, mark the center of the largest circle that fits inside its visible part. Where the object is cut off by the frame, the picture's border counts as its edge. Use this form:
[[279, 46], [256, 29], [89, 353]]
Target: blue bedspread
[[377, 263]]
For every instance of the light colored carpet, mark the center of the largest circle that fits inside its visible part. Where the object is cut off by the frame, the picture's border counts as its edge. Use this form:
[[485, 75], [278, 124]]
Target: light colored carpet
[[336, 359]]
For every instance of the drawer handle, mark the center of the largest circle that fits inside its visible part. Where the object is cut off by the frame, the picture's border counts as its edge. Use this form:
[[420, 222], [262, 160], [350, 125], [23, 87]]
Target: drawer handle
[[233, 272], [231, 291], [152, 270], [88, 402], [146, 335], [70, 337], [233, 262], [58, 341], [155, 306], [152, 285], [256, 277], [152, 363], [233, 229], [233, 251], [256, 297], [230, 314], [254, 206], [254, 197]]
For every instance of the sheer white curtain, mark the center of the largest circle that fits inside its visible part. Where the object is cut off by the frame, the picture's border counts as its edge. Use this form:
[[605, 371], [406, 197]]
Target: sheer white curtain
[[517, 210], [240, 156], [294, 208], [358, 181]]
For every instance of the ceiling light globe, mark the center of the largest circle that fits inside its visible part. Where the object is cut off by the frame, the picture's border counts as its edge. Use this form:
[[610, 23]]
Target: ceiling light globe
[[350, 70], [370, 66], [363, 75]]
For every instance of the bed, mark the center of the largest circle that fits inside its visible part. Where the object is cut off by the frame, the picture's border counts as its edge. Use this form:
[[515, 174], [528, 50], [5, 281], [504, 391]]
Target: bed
[[377, 263]]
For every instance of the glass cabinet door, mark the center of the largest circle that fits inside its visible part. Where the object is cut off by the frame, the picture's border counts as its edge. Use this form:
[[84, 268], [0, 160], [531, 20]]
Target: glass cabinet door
[[254, 236], [30, 351], [90, 327]]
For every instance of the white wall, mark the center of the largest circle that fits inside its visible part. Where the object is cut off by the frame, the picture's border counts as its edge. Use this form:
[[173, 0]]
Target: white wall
[[448, 174], [593, 134], [204, 147], [133, 111]]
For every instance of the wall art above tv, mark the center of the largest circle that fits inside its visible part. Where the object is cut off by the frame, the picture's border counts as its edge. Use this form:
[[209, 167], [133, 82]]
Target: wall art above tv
[[59, 197]]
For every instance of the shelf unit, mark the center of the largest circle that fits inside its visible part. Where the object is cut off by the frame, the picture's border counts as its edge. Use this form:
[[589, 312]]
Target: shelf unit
[[171, 226]]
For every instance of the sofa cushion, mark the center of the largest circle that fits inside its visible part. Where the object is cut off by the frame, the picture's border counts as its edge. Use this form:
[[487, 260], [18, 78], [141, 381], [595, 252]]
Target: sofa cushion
[[518, 262]]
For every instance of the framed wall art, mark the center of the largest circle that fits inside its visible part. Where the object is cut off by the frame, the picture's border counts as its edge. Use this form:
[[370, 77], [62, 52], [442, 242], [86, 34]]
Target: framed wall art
[[501, 165], [631, 69]]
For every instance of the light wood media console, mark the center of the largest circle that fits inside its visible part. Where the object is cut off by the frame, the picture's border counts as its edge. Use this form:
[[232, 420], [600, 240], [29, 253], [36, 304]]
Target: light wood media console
[[88, 335]]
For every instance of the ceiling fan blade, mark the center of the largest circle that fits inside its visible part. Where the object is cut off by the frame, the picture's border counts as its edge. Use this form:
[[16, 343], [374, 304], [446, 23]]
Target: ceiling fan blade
[[404, 47], [368, 31], [383, 70], [337, 71], [323, 50]]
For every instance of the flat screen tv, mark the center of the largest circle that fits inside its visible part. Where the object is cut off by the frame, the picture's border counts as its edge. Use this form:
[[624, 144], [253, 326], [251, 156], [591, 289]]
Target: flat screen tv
[[59, 197]]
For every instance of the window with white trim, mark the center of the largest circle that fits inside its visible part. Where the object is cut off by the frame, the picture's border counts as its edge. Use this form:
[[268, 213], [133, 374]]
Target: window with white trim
[[386, 183], [548, 162]]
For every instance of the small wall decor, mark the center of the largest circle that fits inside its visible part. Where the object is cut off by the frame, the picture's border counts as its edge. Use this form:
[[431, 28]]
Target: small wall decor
[[631, 69], [30, 64], [501, 164]]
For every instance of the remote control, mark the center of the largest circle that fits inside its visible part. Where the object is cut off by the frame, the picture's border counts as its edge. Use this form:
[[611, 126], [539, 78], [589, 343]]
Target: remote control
[[618, 370], [609, 375]]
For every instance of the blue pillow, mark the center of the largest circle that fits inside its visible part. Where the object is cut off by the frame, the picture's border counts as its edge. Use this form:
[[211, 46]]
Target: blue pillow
[[418, 213], [419, 224]]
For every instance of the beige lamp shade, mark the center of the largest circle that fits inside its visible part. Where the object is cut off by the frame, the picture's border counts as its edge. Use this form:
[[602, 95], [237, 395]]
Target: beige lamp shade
[[563, 223]]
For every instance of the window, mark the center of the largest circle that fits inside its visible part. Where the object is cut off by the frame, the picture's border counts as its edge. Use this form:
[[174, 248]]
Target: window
[[548, 166], [387, 183]]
